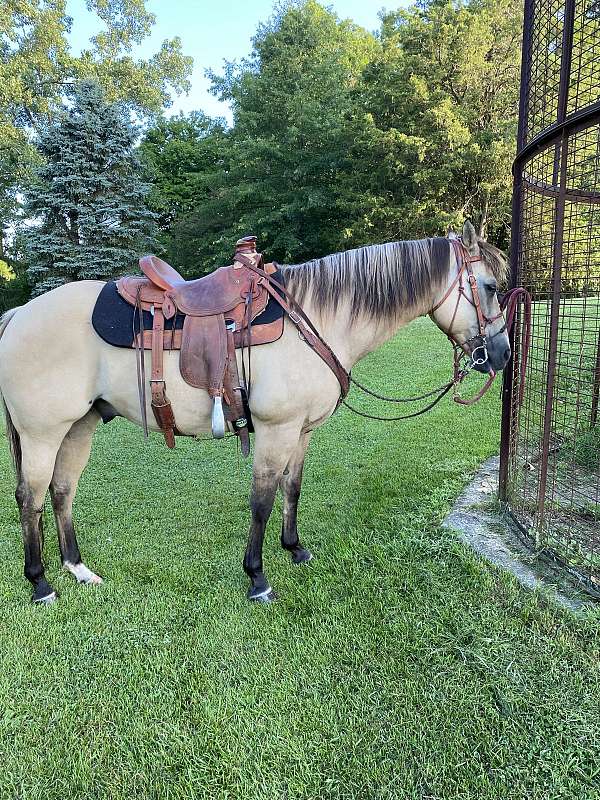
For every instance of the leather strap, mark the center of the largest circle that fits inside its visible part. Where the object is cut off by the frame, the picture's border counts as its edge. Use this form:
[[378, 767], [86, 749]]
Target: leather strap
[[233, 397], [140, 359], [163, 411]]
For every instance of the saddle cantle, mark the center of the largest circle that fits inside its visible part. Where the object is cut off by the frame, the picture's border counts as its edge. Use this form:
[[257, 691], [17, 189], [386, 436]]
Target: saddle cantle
[[218, 311]]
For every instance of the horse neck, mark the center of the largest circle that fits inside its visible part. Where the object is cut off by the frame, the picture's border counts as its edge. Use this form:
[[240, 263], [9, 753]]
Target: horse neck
[[351, 339]]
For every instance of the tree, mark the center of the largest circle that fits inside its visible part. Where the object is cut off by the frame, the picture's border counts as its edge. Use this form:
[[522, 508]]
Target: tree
[[442, 99], [86, 213], [342, 139], [290, 153], [37, 67], [184, 159]]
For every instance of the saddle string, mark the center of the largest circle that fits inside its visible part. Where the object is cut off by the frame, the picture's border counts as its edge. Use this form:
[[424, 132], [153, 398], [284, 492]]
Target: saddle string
[[140, 362]]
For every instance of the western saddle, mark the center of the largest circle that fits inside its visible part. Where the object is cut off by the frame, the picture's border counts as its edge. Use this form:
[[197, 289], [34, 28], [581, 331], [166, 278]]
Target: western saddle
[[218, 312]]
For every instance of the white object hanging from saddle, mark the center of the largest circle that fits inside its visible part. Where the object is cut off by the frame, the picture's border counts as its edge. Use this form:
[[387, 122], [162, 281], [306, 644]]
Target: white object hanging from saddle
[[218, 418]]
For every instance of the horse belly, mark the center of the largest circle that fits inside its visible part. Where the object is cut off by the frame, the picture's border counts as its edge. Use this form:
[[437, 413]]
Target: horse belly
[[192, 407]]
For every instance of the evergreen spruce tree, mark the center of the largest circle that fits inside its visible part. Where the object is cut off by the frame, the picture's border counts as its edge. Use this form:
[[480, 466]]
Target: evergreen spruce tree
[[87, 214]]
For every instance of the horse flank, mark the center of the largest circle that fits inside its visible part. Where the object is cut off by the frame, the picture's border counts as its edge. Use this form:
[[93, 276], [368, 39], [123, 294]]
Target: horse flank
[[381, 281]]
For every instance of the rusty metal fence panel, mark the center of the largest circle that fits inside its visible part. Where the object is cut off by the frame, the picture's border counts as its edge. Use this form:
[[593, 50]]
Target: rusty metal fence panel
[[550, 456]]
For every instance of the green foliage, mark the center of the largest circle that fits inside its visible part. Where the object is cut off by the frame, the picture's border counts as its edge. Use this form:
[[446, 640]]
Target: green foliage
[[584, 450], [443, 97], [37, 66], [6, 272], [86, 213], [291, 152], [342, 138], [14, 291], [183, 158]]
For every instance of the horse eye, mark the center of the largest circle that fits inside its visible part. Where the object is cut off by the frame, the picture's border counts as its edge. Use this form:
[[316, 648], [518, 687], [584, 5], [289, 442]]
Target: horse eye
[[492, 288]]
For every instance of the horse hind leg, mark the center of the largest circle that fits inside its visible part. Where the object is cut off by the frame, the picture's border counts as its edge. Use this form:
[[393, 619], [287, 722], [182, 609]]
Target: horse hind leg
[[72, 457], [35, 466], [290, 484]]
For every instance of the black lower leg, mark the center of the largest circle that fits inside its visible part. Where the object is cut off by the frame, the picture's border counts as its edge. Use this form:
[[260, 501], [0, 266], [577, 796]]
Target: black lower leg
[[31, 523], [290, 541], [261, 503], [62, 505]]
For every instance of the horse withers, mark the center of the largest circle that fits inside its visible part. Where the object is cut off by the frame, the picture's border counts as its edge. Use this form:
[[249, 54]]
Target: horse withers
[[58, 377]]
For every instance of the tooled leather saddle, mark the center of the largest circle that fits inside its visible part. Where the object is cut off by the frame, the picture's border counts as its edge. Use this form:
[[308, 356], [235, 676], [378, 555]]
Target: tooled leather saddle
[[218, 313]]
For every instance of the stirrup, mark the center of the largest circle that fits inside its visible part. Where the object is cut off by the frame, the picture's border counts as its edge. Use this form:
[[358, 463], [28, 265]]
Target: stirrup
[[218, 419]]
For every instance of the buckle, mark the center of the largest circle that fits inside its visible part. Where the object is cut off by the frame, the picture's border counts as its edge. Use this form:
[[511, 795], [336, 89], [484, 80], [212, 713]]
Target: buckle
[[294, 317]]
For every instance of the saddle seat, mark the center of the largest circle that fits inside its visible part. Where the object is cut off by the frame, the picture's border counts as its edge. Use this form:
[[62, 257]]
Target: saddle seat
[[217, 307]]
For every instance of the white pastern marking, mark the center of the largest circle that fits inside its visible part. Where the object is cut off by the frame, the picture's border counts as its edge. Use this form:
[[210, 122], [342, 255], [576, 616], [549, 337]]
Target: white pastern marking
[[50, 598], [266, 593], [82, 573]]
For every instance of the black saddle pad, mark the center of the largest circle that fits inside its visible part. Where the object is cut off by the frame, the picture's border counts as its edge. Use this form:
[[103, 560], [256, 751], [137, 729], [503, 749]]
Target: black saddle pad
[[113, 317]]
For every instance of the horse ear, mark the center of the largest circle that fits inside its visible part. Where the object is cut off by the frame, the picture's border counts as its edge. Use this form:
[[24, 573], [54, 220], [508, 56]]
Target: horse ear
[[469, 237]]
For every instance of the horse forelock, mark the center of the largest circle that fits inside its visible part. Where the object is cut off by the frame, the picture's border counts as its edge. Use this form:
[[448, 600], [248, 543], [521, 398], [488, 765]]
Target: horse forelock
[[495, 259], [379, 281]]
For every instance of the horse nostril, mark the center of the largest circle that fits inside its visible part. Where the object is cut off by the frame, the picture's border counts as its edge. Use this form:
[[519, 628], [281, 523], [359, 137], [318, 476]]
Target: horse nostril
[[507, 354]]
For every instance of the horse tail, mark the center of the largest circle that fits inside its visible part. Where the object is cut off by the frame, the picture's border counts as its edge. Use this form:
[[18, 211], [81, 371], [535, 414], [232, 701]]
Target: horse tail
[[6, 318], [14, 440]]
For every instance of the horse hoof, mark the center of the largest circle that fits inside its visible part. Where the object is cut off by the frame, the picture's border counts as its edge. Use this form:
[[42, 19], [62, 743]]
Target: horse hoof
[[302, 556], [93, 580], [83, 574], [265, 596], [46, 600]]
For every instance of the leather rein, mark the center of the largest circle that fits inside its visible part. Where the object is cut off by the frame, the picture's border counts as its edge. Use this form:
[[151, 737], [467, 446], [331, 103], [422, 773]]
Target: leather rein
[[475, 348]]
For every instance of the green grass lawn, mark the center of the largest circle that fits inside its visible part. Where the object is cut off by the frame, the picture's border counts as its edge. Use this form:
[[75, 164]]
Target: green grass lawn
[[396, 665]]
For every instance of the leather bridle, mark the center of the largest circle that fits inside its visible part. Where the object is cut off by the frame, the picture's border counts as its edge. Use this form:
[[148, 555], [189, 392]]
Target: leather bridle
[[475, 347], [464, 261]]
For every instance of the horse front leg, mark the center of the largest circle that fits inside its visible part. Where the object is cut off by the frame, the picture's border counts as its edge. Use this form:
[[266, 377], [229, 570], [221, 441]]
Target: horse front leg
[[290, 483], [274, 446]]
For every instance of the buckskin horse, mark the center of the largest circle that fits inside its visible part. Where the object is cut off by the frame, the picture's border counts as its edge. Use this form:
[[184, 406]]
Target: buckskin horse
[[59, 378]]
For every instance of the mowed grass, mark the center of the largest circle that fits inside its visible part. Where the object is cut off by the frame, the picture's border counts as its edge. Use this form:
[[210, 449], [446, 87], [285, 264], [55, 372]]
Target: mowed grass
[[396, 665]]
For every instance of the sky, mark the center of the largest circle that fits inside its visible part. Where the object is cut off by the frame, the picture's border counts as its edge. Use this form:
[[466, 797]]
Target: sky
[[211, 31]]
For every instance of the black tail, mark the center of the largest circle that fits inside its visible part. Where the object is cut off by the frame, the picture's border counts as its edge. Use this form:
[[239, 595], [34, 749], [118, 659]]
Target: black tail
[[14, 442]]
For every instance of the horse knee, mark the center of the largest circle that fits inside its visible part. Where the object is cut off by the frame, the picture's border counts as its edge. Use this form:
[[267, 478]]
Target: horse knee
[[62, 496]]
